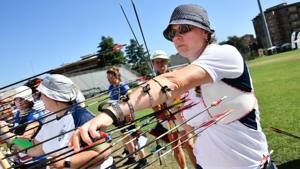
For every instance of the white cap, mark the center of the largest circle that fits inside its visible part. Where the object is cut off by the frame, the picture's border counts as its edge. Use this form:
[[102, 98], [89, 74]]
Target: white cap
[[159, 54], [23, 92], [58, 87]]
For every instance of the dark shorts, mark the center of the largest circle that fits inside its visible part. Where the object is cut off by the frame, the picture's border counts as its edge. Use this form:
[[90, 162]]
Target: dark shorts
[[159, 130], [198, 166], [113, 166], [33, 165], [131, 127], [270, 165]]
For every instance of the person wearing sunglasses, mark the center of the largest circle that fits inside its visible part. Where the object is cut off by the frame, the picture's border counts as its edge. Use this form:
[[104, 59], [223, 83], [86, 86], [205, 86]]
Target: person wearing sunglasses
[[160, 62], [233, 141], [26, 124], [25, 113]]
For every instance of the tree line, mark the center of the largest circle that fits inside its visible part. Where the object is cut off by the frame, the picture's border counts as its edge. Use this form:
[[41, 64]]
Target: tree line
[[135, 56]]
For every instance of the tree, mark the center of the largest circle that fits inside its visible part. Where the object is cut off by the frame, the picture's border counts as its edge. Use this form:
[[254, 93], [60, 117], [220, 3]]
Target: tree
[[137, 57], [237, 42], [107, 54]]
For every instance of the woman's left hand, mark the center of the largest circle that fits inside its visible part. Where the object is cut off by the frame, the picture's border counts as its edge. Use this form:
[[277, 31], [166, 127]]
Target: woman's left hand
[[89, 131]]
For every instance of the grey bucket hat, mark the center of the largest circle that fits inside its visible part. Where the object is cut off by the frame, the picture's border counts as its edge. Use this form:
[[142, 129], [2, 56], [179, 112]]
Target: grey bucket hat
[[190, 14], [59, 88]]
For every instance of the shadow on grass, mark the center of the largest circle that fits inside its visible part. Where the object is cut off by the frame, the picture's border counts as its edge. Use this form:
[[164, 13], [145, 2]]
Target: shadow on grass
[[295, 164]]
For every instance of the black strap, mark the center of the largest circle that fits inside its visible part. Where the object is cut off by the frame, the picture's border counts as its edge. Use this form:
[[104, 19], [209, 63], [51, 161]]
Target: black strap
[[164, 89], [101, 105], [112, 115]]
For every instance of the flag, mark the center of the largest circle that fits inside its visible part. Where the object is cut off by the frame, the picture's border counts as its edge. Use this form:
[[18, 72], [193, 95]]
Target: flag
[[118, 47]]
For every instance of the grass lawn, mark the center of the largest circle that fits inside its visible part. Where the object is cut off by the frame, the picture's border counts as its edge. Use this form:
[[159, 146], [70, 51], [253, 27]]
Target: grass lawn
[[277, 86]]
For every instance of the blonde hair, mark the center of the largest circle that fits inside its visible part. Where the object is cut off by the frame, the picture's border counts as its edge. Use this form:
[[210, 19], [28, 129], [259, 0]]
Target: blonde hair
[[115, 71]]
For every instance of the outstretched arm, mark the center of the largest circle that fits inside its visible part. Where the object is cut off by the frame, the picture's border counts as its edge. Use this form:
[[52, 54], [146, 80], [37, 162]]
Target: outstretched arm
[[178, 81], [30, 130], [81, 159]]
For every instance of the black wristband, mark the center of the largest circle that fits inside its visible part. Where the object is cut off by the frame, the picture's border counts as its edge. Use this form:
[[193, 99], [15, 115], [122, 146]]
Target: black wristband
[[124, 98], [111, 115], [67, 163], [163, 89], [101, 105], [146, 89]]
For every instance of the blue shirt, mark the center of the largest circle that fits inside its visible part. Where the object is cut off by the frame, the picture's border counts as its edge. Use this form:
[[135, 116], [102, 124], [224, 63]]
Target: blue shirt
[[20, 129], [80, 115], [31, 116], [118, 90]]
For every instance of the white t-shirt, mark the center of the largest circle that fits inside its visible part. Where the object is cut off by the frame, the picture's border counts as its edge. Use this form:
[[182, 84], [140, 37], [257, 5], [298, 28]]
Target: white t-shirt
[[53, 129], [62, 125], [229, 144]]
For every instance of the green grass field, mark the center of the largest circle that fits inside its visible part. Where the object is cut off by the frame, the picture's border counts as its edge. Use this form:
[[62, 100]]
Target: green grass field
[[277, 86]]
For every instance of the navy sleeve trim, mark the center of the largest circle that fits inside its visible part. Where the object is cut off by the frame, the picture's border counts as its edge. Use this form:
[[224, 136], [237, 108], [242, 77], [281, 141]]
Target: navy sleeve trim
[[243, 82]]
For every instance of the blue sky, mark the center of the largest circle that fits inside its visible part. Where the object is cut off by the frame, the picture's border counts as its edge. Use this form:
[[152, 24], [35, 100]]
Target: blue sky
[[36, 35]]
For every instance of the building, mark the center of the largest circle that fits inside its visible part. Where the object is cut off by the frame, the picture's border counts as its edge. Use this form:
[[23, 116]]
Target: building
[[90, 76], [282, 20]]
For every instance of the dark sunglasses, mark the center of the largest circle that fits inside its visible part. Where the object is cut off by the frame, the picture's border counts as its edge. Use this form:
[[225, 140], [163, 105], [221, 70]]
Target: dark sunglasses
[[162, 61], [181, 30]]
